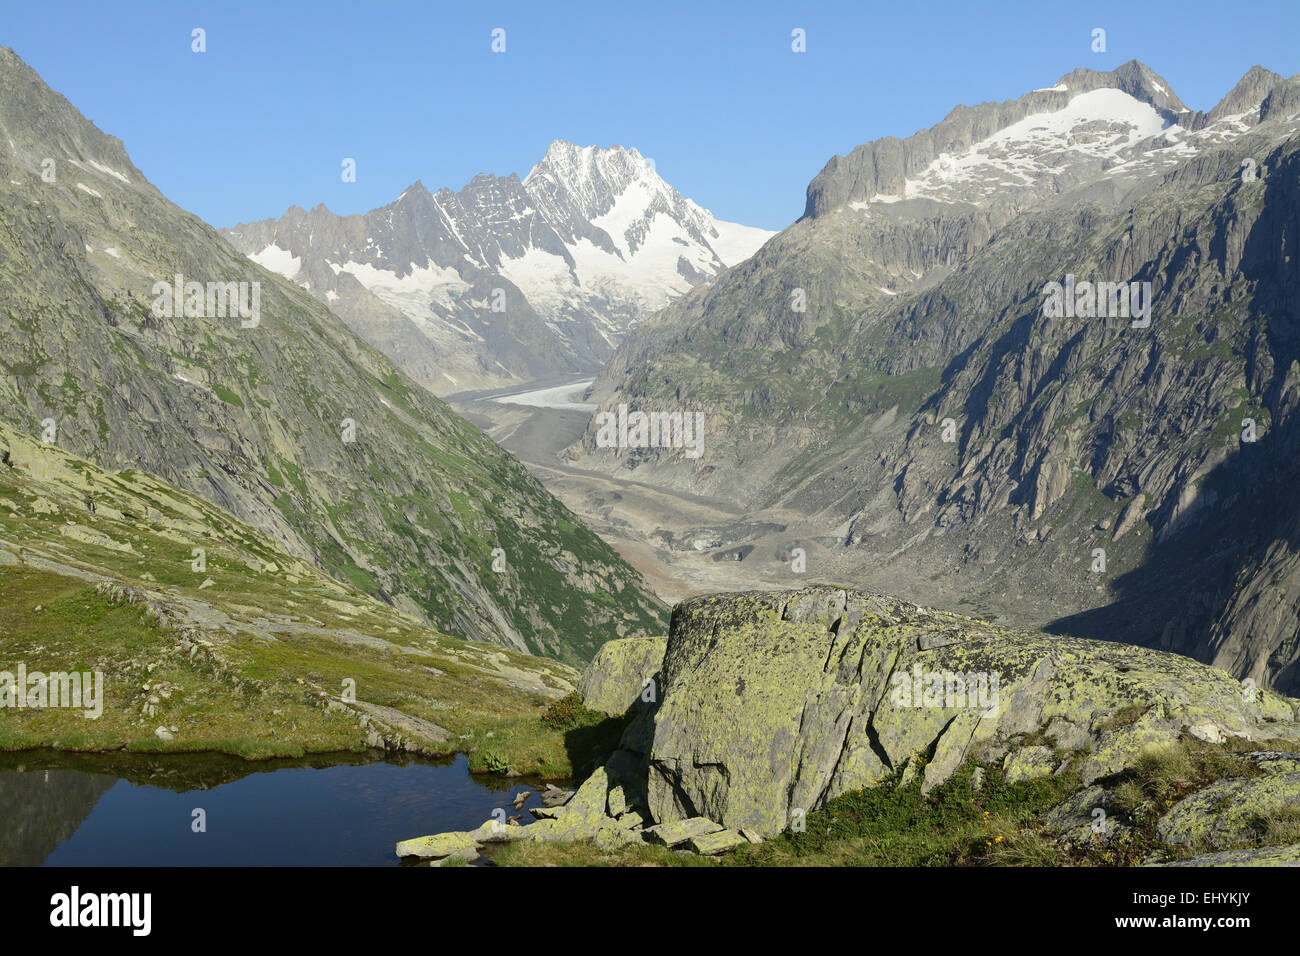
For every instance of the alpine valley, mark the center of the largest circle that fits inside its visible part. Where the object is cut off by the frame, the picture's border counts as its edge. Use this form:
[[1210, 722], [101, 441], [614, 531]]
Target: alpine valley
[[885, 389], [971, 492], [256, 420]]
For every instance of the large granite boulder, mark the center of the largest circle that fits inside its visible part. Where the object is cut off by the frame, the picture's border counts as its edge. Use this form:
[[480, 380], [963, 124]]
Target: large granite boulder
[[615, 679], [777, 702]]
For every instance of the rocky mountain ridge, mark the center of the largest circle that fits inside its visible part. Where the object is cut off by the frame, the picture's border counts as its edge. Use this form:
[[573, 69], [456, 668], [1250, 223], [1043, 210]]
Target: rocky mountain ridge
[[507, 280], [941, 433]]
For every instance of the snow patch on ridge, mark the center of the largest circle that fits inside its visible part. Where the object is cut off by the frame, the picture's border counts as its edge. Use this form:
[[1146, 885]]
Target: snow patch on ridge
[[1097, 125], [280, 261], [416, 295], [736, 243]]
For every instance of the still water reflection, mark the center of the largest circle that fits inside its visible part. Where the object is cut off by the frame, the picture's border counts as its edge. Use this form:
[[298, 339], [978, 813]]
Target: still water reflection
[[130, 810]]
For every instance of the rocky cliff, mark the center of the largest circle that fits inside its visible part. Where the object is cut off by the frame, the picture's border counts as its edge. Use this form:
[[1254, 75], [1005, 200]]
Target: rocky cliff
[[886, 371]]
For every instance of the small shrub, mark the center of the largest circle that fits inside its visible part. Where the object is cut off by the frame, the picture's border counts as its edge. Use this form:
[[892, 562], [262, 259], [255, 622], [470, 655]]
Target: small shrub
[[1124, 717], [1129, 796], [566, 713], [1280, 827]]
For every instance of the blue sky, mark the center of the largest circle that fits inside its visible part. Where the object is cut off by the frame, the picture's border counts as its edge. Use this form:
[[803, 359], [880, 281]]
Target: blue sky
[[711, 91]]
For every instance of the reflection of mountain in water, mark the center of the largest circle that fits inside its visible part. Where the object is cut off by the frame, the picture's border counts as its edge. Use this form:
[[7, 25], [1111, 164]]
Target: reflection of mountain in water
[[43, 808], [181, 773], [327, 810]]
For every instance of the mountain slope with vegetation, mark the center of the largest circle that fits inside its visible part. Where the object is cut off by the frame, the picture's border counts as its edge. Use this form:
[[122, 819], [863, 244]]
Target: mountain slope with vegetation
[[284, 418], [207, 631]]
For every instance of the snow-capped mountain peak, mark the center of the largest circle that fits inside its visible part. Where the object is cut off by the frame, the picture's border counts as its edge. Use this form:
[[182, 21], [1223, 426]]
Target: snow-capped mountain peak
[[1120, 126], [591, 241]]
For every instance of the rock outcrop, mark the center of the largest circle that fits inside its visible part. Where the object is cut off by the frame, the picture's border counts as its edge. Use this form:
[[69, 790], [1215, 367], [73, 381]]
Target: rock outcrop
[[771, 704], [1229, 811], [776, 702], [1263, 856], [616, 678]]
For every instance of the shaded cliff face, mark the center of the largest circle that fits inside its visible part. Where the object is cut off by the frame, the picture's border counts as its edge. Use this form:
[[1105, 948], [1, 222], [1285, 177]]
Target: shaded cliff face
[[775, 703], [507, 280], [935, 421], [282, 416]]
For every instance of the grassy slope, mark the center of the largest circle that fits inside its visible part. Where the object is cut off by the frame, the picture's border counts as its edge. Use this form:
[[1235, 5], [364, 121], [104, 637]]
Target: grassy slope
[[276, 638]]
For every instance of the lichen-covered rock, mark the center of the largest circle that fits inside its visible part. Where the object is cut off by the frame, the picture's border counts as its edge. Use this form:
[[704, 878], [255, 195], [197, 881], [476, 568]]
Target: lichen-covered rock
[[437, 845], [634, 820], [494, 831], [720, 841], [612, 837], [584, 815], [1255, 856], [542, 831], [679, 831], [1274, 761], [615, 679], [1230, 811], [1087, 817], [776, 702], [616, 802], [1029, 763], [554, 796]]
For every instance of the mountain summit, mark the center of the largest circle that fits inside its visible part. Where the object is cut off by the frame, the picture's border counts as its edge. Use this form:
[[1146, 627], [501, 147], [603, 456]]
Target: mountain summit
[[506, 280], [1048, 139]]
